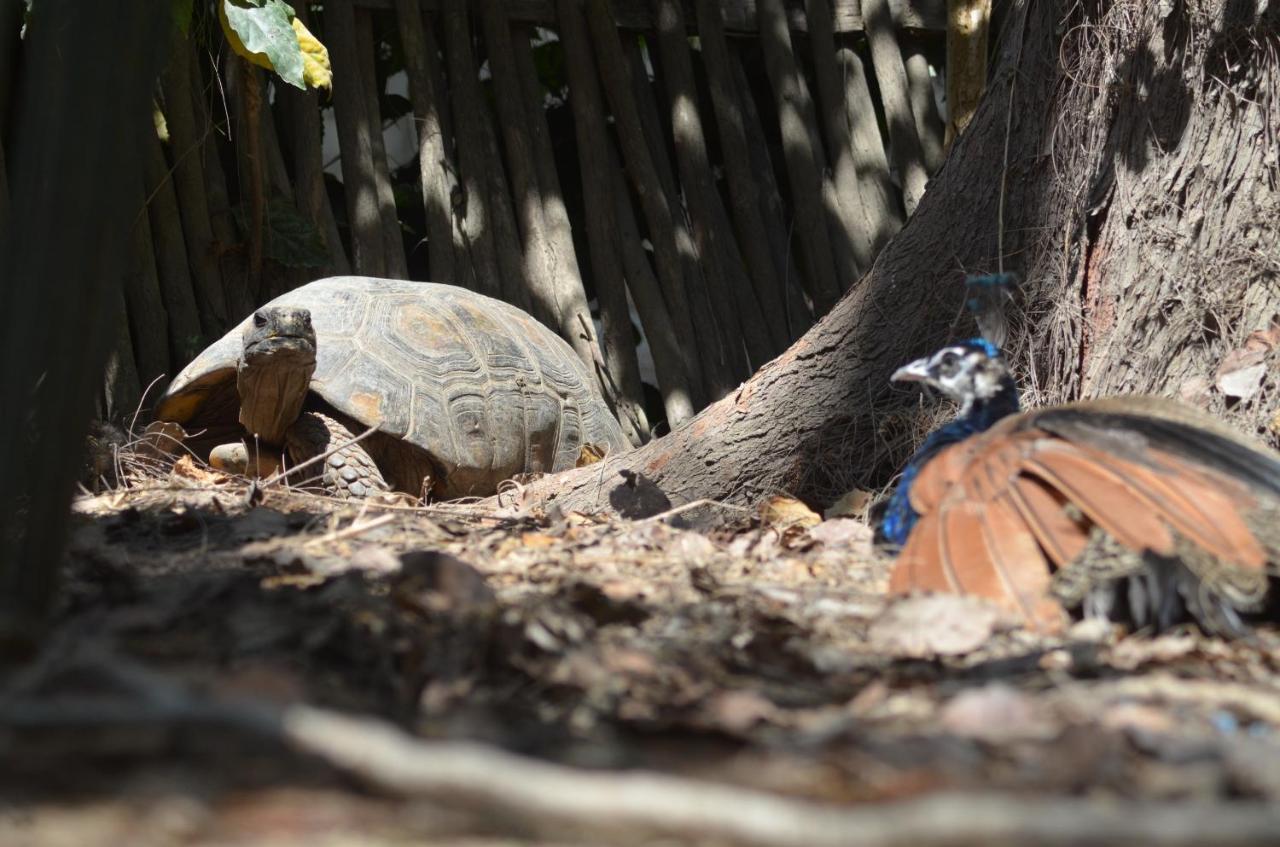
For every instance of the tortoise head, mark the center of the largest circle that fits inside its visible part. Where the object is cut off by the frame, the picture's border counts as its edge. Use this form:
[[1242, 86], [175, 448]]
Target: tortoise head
[[275, 368]]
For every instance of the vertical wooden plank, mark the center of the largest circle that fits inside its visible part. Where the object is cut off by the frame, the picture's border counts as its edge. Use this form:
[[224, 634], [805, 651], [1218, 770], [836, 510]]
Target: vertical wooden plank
[[924, 106], [704, 373], [388, 217], [121, 388], [879, 196], [891, 74], [802, 164], [603, 239], [797, 310], [737, 310], [355, 139], [854, 238], [245, 86], [741, 180], [710, 345], [646, 292], [173, 269], [304, 132], [234, 281], [189, 183], [148, 322], [551, 264], [483, 172], [435, 160]]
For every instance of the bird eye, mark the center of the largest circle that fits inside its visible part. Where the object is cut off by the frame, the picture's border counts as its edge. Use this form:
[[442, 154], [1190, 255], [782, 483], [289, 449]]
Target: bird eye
[[259, 319], [948, 364]]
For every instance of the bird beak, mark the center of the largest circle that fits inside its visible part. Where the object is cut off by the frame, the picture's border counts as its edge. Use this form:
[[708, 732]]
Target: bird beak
[[917, 371]]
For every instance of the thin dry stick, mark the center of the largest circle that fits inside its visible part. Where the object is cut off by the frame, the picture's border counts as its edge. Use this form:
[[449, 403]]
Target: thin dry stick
[[356, 527], [274, 478]]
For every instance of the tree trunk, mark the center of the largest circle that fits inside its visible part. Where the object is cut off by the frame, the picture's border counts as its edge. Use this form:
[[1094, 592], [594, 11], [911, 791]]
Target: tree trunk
[[1146, 233]]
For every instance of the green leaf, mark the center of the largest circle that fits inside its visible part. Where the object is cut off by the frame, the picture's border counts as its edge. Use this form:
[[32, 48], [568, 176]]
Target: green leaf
[[264, 27]]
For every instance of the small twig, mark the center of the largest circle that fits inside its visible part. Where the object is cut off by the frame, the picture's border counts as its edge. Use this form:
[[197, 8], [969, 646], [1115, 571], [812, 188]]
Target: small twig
[[687, 507], [272, 480], [355, 528]]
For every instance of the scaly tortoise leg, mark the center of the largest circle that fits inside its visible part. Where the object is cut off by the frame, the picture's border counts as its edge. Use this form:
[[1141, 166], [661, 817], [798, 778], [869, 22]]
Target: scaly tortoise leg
[[347, 473]]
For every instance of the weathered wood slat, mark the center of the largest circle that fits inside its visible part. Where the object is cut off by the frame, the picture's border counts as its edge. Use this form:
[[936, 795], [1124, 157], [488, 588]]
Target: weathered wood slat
[[891, 74], [851, 231], [803, 166], [551, 263], [796, 310], [121, 389], [646, 293], [309, 194], [481, 238], [173, 269], [929, 123], [189, 182], [355, 138], [879, 195], [714, 367], [388, 217], [740, 16], [736, 309], [603, 240], [646, 182], [741, 179], [435, 161], [225, 237], [148, 322]]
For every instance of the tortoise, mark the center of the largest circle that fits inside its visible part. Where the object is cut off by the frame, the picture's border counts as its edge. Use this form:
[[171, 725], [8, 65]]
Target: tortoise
[[464, 390]]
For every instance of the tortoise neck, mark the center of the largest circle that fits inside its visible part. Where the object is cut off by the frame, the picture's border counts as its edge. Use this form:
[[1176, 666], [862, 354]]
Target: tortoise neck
[[272, 389]]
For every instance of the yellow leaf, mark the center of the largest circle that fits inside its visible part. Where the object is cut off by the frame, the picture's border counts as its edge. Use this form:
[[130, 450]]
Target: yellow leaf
[[315, 59], [316, 70]]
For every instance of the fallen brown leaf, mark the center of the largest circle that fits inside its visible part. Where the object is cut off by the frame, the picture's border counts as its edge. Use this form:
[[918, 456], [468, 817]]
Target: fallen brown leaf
[[931, 625], [852, 504], [188, 469], [780, 512]]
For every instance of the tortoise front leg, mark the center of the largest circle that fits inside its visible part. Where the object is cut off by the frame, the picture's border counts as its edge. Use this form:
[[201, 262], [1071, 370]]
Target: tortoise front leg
[[349, 472]]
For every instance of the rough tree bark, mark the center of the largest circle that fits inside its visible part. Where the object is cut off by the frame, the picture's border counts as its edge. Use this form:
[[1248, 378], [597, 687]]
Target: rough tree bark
[[1136, 191]]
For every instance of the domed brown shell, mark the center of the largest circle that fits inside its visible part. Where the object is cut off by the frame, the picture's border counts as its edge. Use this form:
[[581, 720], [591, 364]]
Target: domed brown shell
[[482, 386]]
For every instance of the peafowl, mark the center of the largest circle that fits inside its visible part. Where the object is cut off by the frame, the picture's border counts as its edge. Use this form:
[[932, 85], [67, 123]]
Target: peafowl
[[1127, 507]]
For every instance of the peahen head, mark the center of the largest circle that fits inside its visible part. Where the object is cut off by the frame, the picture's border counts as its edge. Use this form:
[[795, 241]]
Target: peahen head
[[973, 373]]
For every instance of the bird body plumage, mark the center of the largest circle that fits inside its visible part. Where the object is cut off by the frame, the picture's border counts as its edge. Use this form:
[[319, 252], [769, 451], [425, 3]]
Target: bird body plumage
[[1138, 504]]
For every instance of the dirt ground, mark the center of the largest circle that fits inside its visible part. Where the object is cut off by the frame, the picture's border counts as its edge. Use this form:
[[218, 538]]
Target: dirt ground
[[234, 667]]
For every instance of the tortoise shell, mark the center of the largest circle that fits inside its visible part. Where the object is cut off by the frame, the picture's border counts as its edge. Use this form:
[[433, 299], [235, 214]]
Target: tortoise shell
[[482, 386]]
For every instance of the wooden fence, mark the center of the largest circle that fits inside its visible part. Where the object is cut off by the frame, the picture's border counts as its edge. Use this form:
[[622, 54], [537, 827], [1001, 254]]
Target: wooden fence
[[726, 189]]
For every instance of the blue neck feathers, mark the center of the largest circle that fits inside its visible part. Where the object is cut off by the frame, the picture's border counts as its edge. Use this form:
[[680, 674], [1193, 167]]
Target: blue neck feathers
[[899, 517]]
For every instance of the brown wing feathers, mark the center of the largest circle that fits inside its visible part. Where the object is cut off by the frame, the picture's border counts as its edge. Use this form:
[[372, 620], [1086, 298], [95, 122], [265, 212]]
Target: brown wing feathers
[[1001, 510]]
